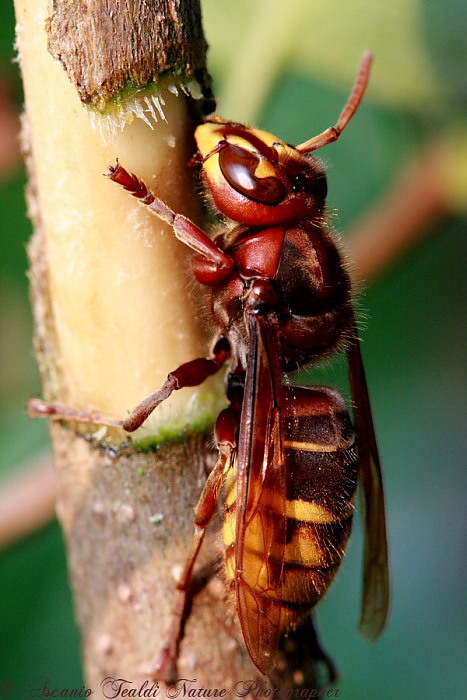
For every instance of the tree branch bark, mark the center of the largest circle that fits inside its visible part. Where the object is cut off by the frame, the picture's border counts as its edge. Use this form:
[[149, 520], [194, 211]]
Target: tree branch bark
[[114, 314], [106, 49]]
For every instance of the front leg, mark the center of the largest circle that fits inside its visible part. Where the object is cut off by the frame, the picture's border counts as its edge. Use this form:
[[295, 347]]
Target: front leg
[[191, 373], [184, 229]]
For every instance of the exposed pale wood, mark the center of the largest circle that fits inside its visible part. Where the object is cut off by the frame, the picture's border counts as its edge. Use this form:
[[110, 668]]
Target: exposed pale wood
[[114, 312]]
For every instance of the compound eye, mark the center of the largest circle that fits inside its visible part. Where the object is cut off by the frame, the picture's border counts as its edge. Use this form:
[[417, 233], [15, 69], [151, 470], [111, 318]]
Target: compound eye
[[238, 166], [320, 186]]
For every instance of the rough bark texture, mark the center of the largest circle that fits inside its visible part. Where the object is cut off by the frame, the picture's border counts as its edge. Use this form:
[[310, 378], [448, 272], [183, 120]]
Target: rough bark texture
[[107, 46], [127, 516]]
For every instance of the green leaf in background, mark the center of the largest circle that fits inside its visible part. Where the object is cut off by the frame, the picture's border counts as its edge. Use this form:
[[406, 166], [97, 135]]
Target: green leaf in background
[[253, 43], [445, 27], [38, 634]]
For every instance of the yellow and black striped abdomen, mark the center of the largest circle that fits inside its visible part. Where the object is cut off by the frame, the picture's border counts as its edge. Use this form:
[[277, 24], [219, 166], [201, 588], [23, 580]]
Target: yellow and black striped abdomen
[[313, 517]]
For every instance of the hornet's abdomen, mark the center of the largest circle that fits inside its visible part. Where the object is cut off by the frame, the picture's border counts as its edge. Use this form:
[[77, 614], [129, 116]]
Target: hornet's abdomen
[[315, 512]]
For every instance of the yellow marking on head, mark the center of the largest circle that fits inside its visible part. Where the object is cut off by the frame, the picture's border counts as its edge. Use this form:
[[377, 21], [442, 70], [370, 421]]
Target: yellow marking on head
[[265, 169], [210, 134]]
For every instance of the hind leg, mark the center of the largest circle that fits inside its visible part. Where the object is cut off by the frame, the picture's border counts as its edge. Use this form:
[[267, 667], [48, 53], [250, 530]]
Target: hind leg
[[226, 429]]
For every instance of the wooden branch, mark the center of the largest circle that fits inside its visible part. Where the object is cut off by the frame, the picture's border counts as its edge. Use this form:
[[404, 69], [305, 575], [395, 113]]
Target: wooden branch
[[128, 523], [107, 48], [114, 314]]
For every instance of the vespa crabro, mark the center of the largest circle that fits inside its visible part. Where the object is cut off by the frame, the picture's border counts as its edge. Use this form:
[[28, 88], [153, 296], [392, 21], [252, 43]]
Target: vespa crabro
[[289, 456]]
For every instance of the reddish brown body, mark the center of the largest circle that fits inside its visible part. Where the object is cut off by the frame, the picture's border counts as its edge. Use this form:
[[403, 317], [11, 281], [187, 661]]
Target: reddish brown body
[[313, 304], [281, 299], [285, 301]]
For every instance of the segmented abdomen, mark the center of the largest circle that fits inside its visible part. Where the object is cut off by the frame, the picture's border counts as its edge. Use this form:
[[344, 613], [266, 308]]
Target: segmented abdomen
[[312, 518]]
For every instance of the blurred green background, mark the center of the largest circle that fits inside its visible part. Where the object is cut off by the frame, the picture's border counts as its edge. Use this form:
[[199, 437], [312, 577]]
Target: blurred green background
[[288, 67]]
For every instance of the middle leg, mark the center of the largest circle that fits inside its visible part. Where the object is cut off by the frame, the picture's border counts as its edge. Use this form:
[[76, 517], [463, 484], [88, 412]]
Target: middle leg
[[191, 373]]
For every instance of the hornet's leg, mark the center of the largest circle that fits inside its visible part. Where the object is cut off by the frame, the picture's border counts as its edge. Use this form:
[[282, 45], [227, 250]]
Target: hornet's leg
[[185, 230], [191, 373], [226, 432]]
